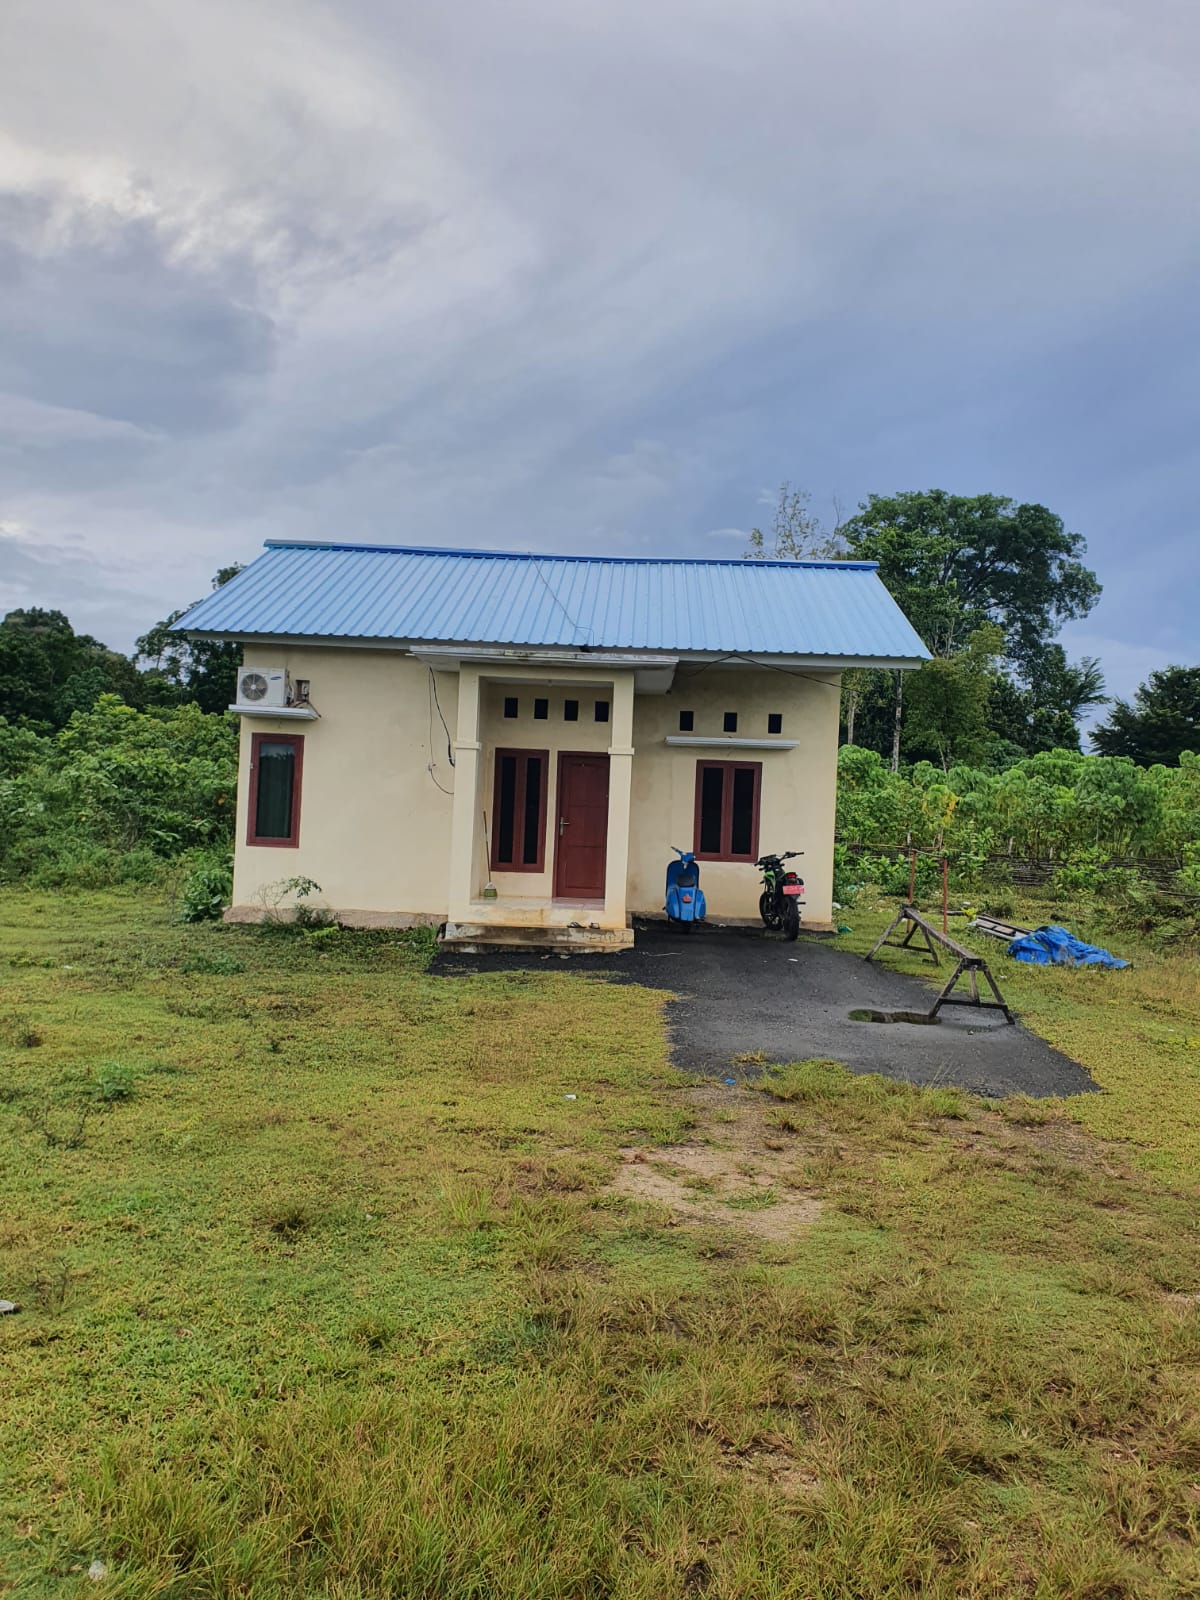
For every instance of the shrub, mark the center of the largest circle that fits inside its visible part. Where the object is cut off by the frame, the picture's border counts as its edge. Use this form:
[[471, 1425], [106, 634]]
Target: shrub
[[206, 891], [113, 1084]]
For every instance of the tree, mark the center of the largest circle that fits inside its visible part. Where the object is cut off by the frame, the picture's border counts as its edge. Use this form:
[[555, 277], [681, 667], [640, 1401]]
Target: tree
[[1043, 712], [48, 671], [1162, 722], [797, 533], [182, 670], [948, 702], [955, 562]]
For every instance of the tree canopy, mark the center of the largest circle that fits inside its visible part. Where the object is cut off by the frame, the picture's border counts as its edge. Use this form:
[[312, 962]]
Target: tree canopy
[[48, 671], [1162, 722], [181, 671], [955, 562]]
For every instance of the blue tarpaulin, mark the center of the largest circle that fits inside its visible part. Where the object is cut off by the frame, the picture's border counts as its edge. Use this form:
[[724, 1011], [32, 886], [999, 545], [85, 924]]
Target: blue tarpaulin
[[1050, 946]]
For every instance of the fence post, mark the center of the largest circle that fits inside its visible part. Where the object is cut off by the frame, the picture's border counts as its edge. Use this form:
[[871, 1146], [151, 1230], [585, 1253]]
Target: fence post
[[945, 895]]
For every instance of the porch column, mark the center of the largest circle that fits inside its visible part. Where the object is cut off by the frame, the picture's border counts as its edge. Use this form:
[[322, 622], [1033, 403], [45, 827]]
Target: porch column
[[620, 782], [466, 797]]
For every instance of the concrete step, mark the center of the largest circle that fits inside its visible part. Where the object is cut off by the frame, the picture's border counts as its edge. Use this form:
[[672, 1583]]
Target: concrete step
[[472, 937]]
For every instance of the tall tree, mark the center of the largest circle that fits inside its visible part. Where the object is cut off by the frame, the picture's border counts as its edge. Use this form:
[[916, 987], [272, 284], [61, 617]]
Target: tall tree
[[1162, 722], [955, 562], [48, 671], [180, 670]]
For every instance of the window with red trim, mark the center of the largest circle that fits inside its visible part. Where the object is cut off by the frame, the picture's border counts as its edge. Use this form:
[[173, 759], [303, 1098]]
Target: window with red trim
[[727, 796], [276, 766], [519, 811]]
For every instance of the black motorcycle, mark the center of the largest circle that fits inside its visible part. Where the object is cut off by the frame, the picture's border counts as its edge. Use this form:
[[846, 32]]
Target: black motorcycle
[[783, 891]]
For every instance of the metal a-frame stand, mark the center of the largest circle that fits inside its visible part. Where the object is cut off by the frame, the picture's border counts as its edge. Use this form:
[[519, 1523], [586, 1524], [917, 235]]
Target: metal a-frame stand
[[969, 965]]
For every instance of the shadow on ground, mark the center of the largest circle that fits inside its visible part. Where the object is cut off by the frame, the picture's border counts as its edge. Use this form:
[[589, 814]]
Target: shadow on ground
[[741, 992]]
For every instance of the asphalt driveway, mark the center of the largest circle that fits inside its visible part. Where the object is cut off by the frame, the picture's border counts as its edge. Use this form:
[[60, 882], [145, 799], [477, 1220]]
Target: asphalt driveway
[[741, 992]]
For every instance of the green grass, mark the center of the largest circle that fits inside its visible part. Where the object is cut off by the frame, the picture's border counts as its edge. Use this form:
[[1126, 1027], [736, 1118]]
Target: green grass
[[1137, 1031], [331, 1298]]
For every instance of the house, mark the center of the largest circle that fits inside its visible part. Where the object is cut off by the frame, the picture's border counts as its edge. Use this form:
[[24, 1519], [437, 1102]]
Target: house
[[511, 744]]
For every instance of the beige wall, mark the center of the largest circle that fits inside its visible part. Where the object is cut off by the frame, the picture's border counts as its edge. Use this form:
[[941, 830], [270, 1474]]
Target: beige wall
[[523, 732], [375, 829], [799, 787]]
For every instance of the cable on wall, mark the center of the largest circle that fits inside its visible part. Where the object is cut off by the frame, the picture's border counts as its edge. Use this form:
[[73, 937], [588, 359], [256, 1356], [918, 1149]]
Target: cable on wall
[[431, 765]]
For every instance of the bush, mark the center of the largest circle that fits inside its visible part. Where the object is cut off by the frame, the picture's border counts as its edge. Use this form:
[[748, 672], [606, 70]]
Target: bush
[[115, 795], [207, 891], [114, 1083]]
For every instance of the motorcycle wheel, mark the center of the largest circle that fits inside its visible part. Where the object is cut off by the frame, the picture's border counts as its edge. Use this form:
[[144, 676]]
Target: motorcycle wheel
[[766, 909], [791, 919]]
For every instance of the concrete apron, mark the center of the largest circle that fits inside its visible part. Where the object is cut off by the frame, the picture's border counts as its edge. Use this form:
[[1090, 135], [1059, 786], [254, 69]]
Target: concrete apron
[[473, 938]]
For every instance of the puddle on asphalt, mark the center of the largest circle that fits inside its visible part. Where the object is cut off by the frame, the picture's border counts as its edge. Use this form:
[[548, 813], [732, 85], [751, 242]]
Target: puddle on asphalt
[[921, 1018]]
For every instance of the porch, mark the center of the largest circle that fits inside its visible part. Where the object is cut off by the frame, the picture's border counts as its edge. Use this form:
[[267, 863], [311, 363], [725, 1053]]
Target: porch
[[539, 845]]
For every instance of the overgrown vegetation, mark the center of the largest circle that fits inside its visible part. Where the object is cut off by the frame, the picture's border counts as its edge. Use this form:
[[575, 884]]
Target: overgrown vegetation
[[1076, 809], [341, 1298], [115, 794]]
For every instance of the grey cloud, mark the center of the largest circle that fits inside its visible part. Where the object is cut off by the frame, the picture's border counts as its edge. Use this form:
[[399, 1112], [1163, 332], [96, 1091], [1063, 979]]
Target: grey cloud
[[592, 275], [108, 325]]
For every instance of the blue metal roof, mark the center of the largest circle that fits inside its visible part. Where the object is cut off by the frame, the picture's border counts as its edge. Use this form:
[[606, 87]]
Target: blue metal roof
[[393, 592]]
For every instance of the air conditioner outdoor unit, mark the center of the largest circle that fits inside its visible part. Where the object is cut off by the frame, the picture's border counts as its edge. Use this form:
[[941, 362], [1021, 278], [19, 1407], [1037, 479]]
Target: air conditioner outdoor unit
[[265, 687]]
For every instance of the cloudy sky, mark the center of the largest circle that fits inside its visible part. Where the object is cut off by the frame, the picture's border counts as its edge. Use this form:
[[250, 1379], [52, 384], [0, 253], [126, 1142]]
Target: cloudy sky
[[592, 275]]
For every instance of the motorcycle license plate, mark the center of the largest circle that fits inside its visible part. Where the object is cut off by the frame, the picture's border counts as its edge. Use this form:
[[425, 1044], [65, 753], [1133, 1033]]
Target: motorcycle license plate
[[793, 888]]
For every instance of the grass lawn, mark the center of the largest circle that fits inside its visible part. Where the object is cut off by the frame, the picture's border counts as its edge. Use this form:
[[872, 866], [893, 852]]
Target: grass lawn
[[354, 1281], [1137, 1031]]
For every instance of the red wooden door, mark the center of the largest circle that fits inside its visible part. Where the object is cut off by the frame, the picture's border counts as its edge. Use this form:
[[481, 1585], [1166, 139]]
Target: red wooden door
[[581, 821]]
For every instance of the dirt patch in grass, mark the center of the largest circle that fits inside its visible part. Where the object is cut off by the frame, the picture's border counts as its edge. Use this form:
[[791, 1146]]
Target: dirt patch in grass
[[769, 1460], [733, 1173]]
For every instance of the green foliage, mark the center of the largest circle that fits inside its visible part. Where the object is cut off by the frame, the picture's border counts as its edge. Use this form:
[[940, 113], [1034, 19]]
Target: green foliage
[[1162, 723], [1080, 809], [219, 963], [114, 794], [956, 562], [180, 671], [207, 890], [947, 701], [48, 671], [113, 1084]]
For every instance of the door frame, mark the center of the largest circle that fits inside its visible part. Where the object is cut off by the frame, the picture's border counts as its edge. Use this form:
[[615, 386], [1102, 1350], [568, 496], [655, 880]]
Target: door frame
[[567, 755]]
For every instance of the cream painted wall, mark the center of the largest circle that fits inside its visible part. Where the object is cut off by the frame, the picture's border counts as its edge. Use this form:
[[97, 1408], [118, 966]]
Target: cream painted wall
[[524, 732], [799, 787], [374, 828]]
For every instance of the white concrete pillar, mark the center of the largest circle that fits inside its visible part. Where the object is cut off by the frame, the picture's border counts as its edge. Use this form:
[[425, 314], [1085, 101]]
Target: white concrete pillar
[[620, 785], [464, 816]]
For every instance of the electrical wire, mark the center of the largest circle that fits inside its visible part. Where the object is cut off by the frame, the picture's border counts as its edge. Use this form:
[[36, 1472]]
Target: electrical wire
[[432, 764], [438, 704], [738, 655]]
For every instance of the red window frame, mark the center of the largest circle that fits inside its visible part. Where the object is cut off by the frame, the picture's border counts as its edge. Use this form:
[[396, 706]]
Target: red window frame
[[725, 853], [296, 740], [519, 797]]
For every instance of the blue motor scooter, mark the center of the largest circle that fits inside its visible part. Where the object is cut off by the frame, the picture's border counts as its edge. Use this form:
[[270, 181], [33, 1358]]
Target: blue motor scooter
[[685, 898]]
